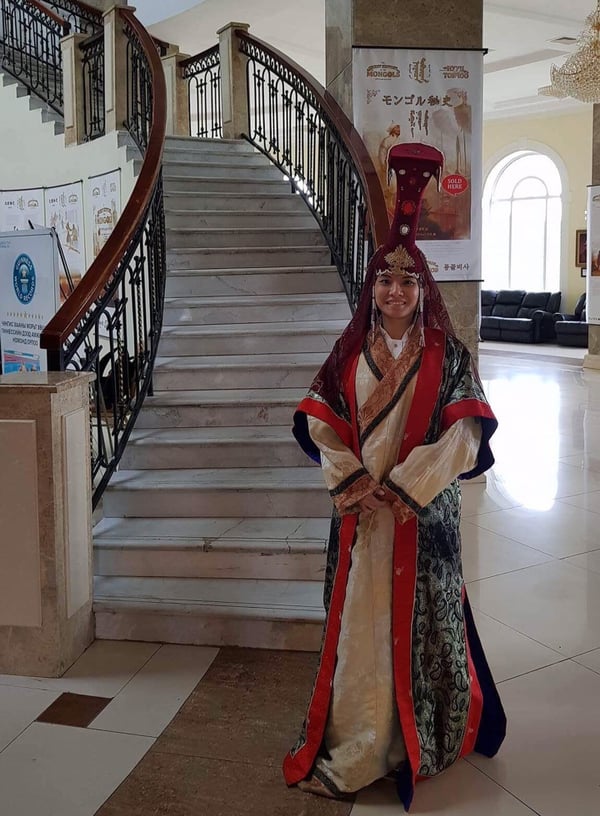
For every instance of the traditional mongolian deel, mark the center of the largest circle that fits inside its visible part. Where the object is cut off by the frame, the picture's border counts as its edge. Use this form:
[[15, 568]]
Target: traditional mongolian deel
[[403, 686]]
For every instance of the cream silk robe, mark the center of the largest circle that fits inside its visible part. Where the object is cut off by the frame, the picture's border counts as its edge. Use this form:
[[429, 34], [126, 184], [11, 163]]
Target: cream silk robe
[[363, 736]]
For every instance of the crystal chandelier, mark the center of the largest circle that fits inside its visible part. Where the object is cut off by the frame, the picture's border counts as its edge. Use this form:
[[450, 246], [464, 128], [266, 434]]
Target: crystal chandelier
[[579, 77]]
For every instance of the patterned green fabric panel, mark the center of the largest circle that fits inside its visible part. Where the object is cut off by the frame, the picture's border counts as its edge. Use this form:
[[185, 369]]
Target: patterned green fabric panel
[[459, 382], [440, 672]]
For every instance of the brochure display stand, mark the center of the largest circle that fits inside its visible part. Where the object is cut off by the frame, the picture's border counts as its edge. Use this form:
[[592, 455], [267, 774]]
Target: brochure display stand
[[29, 296]]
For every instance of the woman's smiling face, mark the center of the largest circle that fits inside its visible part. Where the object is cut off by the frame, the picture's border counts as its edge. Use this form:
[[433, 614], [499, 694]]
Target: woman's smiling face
[[396, 296]]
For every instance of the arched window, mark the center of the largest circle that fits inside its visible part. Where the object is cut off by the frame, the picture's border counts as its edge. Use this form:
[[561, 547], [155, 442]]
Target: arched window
[[522, 213]]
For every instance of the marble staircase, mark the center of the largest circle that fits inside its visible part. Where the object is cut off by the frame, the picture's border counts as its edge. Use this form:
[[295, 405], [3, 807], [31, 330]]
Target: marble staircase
[[215, 526]]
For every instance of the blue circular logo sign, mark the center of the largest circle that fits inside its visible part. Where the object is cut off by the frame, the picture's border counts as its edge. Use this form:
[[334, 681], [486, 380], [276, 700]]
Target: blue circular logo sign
[[24, 278]]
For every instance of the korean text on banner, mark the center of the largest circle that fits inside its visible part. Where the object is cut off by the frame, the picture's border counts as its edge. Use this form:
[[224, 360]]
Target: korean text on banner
[[416, 95], [28, 296]]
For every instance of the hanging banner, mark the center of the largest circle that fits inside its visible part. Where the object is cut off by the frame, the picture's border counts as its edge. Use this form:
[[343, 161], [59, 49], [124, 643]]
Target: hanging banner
[[64, 212], [19, 207], [28, 296], [435, 97], [104, 199], [592, 303]]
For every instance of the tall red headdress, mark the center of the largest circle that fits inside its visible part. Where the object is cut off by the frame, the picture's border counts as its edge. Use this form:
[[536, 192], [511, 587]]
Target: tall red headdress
[[414, 164]]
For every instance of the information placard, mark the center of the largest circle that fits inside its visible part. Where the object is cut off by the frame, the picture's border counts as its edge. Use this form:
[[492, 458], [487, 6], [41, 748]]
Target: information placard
[[19, 207], [432, 96], [28, 296]]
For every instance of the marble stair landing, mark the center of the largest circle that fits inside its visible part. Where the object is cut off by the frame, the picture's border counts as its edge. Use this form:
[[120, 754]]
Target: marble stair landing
[[215, 526]]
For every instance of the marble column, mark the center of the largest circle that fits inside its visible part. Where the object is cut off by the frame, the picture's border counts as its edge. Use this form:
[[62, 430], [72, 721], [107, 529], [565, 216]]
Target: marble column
[[45, 522], [592, 358], [418, 24]]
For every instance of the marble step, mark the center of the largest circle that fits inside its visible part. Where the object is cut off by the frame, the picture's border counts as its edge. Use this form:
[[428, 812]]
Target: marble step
[[213, 612], [244, 219], [249, 338], [237, 447], [288, 549], [225, 310], [258, 171], [177, 157], [284, 492], [203, 146], [247, 257], [237, 371], [225, 183], [275, 202], [266, 236], [219, 408], [268, 281]]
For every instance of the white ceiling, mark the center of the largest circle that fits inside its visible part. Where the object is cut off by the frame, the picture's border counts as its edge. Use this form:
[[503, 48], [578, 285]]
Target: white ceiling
[[518, 34]]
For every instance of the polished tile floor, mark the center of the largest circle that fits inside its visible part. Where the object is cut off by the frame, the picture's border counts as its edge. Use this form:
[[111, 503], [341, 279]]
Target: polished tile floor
[[531, 539]]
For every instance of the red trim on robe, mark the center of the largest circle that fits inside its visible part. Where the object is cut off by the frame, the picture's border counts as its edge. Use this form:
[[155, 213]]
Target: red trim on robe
[[404, 579], [299, 765], [465, 408], [321, 411], [476, 701]]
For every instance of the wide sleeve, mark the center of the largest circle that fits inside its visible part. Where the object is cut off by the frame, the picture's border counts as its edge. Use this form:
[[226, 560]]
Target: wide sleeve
[[346, 477], [428, 469]]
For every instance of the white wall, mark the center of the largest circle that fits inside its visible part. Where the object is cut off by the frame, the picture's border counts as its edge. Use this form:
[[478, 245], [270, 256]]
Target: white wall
[[33, 156]]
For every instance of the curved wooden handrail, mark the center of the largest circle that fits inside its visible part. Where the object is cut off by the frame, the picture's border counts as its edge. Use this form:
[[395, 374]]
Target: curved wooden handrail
[[91, 10], [375, 200], [64, 24], [94, 282]]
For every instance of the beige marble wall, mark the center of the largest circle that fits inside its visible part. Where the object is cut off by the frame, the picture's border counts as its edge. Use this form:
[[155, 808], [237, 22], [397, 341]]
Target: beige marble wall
[[53, 468], [592, 358], [462, 301], [419, 24], [338, 51]]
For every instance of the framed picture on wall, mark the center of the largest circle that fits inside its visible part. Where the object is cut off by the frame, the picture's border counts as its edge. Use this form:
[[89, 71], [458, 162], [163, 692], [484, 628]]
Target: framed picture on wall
[[580, 248]]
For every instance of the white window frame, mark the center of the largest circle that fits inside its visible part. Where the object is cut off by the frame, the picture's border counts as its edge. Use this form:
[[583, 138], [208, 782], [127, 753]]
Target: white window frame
[[530, 145]]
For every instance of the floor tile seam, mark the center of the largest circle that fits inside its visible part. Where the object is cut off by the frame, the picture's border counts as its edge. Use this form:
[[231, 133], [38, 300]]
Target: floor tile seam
[[90, 727], [587, 652], [502, 535], [519, 569], [537, 669], [577, 555], [562, 498], [213, 757], [19, 735], [551, 556], [183, 701], [159, 646], [523, 634], [503, 787], [495, 510], [511, 571], [509, 538], [582, 665]]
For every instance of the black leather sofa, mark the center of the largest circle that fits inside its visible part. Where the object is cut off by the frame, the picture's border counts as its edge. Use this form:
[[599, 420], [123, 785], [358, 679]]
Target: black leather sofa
[[571, 329], [517, 316]]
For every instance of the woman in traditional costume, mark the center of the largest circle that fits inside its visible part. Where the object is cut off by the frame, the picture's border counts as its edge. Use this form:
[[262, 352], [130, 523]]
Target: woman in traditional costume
[[395, 416]]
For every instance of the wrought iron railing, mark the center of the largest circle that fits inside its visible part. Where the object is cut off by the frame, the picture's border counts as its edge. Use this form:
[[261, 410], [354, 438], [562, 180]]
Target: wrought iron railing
[[301, 128], [203, 73], [30, 37], [92, 66], [139, 89], [82, 18], [110, 325]]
